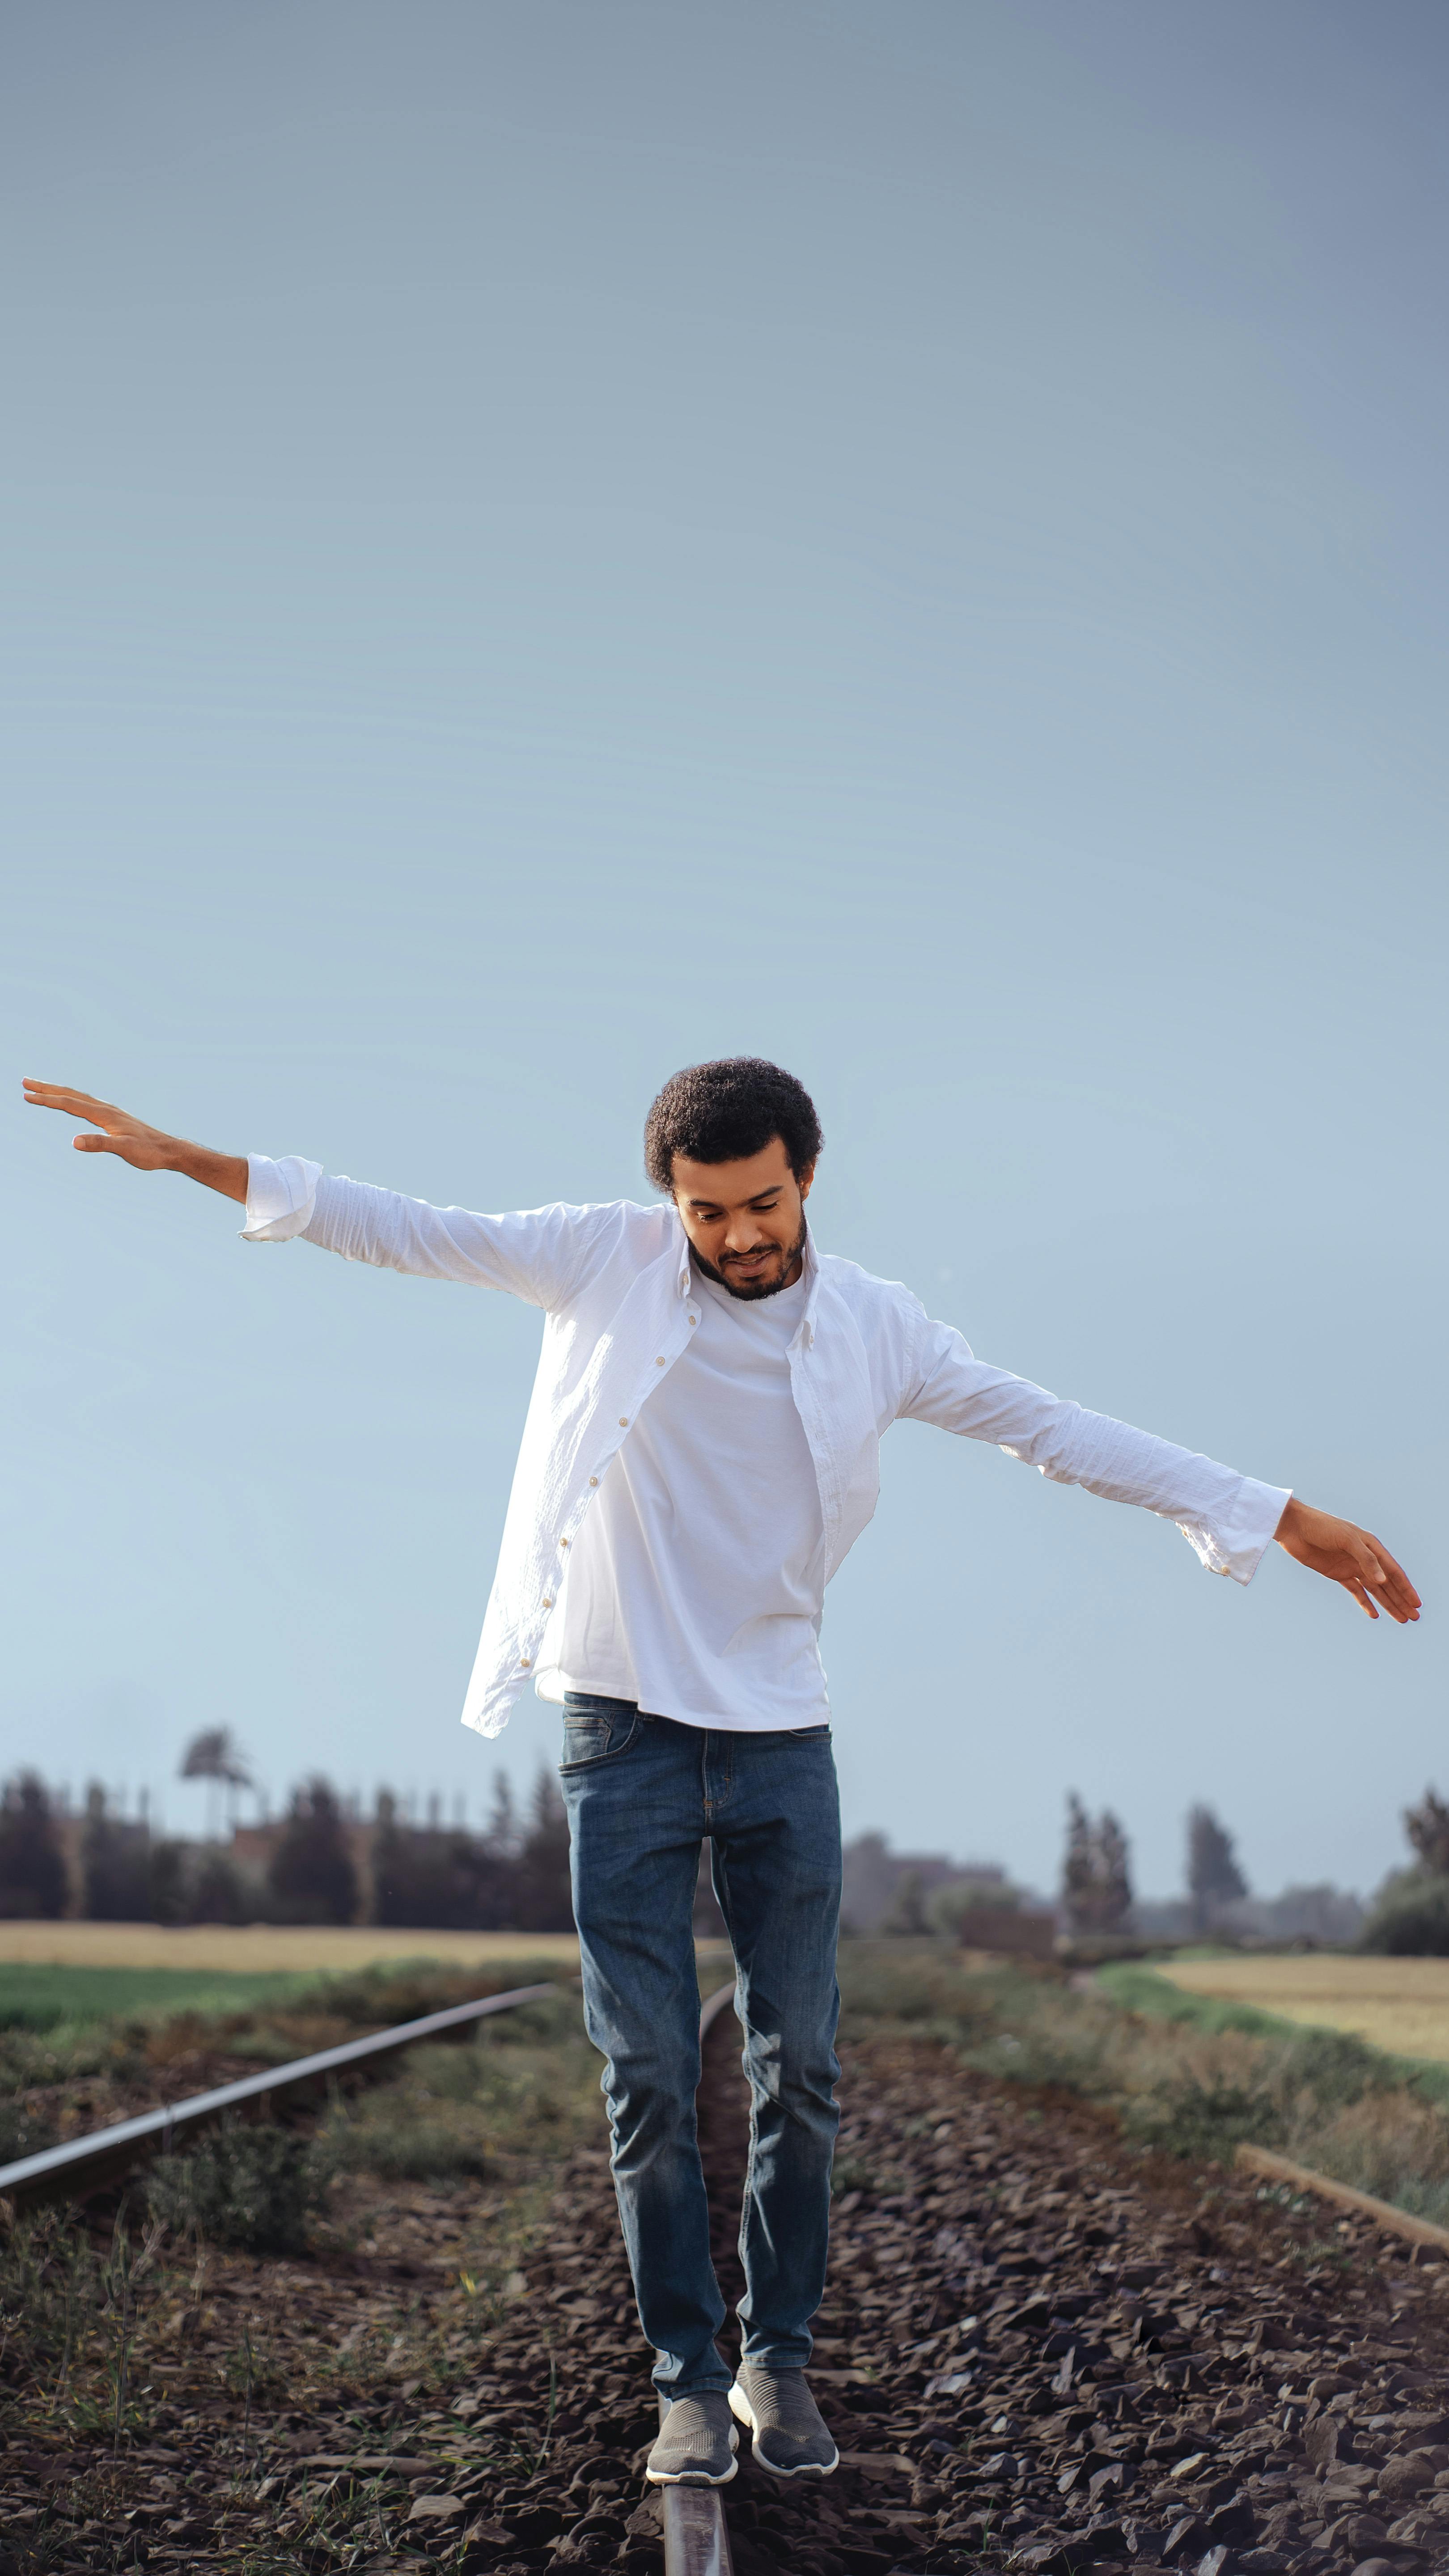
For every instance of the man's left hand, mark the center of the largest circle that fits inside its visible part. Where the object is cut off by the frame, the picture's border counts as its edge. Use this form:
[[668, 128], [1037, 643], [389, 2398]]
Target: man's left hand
[[1350, 1556]]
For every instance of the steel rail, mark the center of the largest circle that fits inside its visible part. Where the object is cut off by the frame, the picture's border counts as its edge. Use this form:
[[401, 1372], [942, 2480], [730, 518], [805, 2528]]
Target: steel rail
[[95, 2155], [696, 2542], [1395, 2222]]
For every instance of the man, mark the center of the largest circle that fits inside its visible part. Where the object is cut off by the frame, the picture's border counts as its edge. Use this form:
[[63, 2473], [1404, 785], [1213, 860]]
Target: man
[[699, 1455]]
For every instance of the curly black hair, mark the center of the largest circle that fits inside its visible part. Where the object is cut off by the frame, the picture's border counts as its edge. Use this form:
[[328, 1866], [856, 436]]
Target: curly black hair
[[722, 1112]]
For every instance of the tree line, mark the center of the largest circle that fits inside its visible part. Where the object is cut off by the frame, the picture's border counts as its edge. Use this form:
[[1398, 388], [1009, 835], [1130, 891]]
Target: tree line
[[1409, 1915], [1097, 1875], [513, 1876]]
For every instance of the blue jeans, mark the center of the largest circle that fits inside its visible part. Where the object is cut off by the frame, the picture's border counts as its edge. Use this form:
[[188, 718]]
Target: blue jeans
[[642, 1794]]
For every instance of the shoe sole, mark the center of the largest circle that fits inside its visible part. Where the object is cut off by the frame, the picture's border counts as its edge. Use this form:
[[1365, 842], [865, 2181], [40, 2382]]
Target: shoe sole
[[740, 2406], [695, 2477]]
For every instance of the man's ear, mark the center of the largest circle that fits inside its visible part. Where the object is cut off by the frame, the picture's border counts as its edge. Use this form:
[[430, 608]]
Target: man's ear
[[806, 1178]]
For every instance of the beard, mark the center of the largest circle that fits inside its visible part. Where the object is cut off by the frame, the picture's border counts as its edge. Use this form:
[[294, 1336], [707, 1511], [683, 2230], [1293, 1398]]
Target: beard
[[750, 1291]]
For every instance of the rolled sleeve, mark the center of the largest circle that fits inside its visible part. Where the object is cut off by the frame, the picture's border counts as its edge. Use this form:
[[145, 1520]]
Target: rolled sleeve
[[1241, 1531], [280, 1197]]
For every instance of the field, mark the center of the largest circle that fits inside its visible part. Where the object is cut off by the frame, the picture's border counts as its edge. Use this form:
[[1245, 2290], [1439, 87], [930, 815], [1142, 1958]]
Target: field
[[1401, 2005], [265, 1949]]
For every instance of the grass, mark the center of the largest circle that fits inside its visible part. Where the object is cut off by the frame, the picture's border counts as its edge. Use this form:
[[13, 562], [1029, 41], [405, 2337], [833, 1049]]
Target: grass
[[271, 2018], [450, 2111], [447, 2115], [1397, 2004], [253, 2184], [1187, 2075], [67, 2067], [42, 1996], [416, 2199]]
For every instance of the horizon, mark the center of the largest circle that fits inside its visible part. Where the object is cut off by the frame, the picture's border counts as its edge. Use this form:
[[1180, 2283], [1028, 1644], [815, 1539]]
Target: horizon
[[414, 1808]]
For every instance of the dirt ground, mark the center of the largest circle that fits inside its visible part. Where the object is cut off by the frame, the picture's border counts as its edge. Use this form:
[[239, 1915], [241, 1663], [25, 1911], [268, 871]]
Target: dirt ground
[[1038, 2349]]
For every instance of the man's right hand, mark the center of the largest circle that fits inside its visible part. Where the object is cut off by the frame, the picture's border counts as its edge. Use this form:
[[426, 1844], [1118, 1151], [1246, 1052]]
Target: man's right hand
[[146, 1149]]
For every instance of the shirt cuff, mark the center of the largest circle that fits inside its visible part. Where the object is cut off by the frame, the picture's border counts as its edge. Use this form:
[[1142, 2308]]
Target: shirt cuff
[[280, 1197], [1240, 1537]]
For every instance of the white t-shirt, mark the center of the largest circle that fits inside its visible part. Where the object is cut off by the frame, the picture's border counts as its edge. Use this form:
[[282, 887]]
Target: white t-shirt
[[697, 1581]]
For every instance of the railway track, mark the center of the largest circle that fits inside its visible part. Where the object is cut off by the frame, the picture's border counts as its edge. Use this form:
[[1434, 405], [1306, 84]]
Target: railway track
[[82, 2164], [696, 2535], [1039, 2352]]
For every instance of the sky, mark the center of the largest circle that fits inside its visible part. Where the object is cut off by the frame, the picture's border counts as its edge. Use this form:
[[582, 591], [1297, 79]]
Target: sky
[[546, 540]]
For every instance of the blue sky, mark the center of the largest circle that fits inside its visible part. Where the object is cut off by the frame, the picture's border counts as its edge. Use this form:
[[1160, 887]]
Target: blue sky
[[550, 541]]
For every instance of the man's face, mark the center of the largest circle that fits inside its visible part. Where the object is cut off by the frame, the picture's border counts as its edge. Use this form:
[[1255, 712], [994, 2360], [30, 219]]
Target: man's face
[[746, 1220]]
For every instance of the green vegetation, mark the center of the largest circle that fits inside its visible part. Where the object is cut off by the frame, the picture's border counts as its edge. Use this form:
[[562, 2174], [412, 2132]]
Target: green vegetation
[[440, 2113], [126, 2330], [24, 2129], [255, 2186], [57, 2021], [1411, 1917], [1185, 2075], [452, 2112], [1140, 1989], [44, 1998]]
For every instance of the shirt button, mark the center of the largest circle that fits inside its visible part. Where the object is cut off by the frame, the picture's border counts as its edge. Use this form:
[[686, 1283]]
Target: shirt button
[[525, 1663], [593, 1480], [694, 1319], [623, 1421], [548, 1600], [659, 1363], [563, 1542]]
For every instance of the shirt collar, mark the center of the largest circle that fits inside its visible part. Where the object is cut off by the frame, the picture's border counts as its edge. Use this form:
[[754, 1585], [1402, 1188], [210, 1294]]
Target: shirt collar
[[811, 1269]]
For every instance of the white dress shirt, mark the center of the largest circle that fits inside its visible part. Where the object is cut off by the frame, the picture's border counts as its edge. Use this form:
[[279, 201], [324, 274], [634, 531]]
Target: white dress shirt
[[620, 1306], [696, 1585]]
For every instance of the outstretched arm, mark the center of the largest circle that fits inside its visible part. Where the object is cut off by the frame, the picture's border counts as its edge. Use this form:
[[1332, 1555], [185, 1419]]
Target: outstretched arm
[[537, 1254], [1228, 1519], [146, 1149]]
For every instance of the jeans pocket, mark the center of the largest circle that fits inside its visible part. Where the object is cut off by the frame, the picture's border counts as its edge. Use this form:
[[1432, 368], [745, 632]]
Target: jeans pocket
[[807, 1735], [590, 1737]]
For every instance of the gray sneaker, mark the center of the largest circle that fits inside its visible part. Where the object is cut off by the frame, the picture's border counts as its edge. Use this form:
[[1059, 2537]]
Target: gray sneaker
[[792, 2439], [696, 2444]]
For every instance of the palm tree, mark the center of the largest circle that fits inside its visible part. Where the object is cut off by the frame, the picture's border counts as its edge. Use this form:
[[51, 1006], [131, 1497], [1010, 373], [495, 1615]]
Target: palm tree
[[214, 1756]]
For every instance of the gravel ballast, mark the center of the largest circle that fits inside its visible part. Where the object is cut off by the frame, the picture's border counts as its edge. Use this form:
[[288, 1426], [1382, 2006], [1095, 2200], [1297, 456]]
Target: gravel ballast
[[1039, 2349]]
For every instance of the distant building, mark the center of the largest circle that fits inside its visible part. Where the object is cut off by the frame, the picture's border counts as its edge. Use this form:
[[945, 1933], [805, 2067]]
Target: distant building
[[876, 1879], [1331, 1915]]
